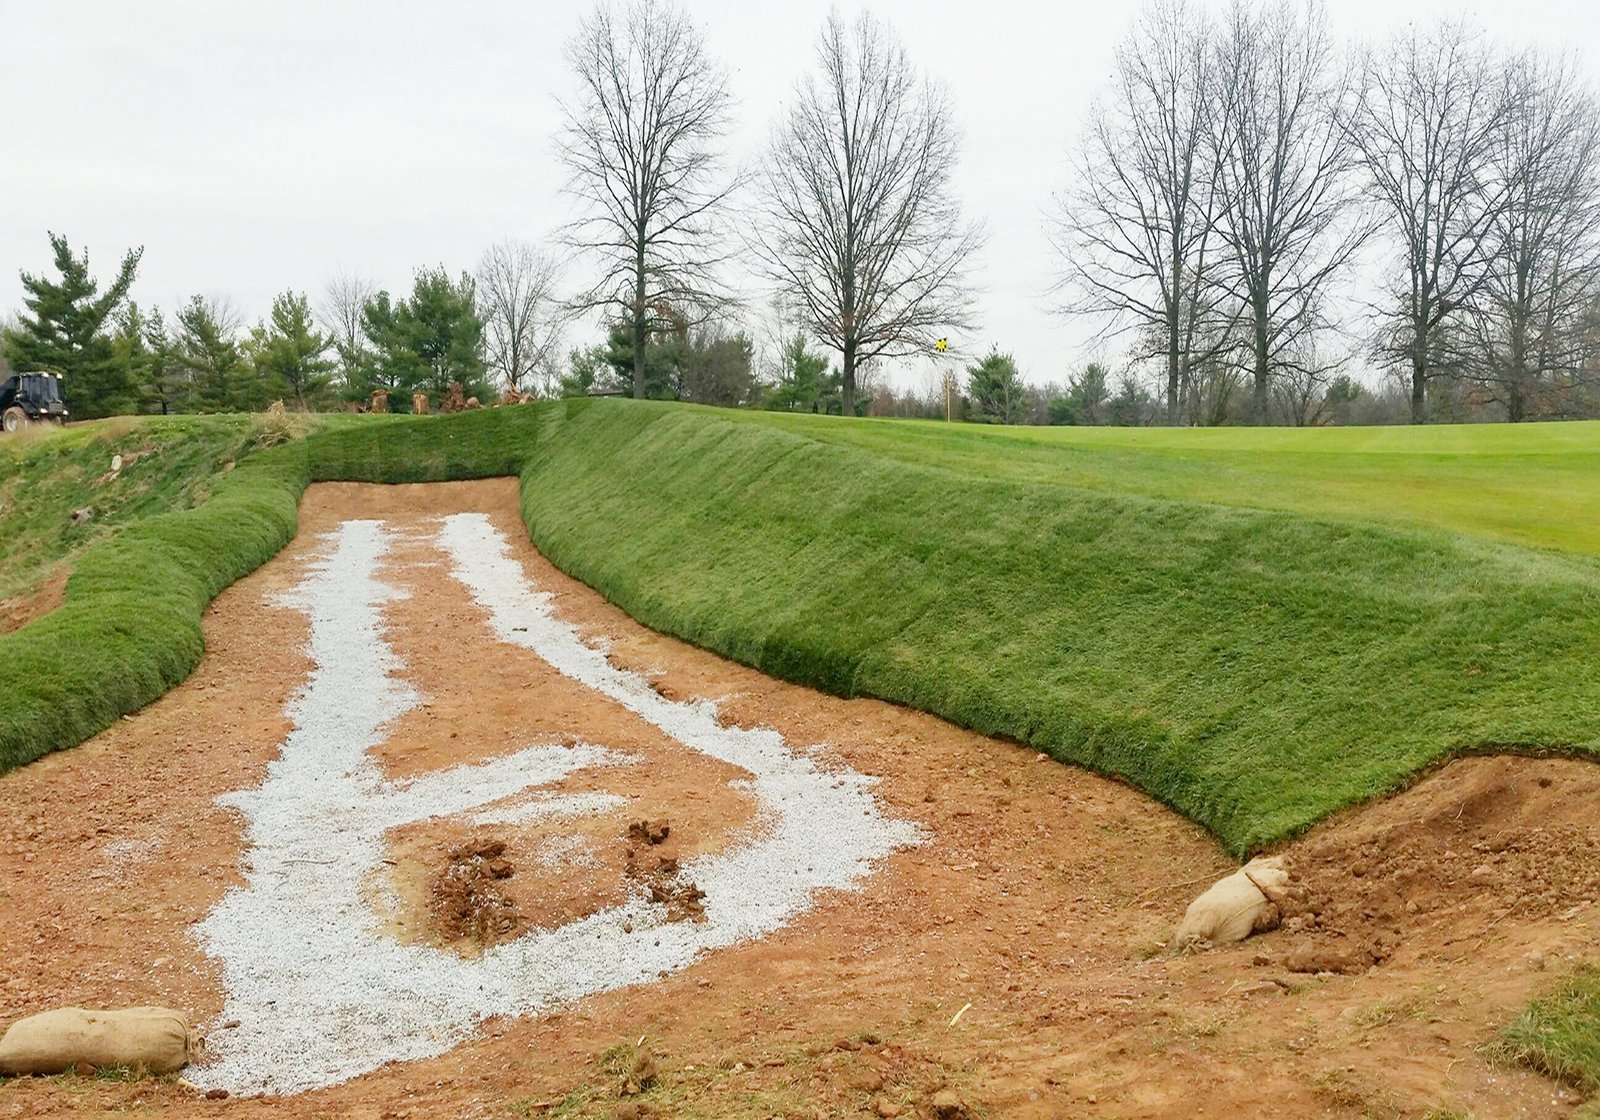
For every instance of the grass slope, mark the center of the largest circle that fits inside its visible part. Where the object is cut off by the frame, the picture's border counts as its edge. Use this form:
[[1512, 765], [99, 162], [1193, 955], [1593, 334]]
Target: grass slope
[[1254, 668], [129, 628], [47, 473]]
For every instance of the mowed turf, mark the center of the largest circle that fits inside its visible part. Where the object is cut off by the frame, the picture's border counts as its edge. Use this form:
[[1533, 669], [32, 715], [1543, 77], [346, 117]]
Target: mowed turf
[[1533, 484], [1111, 598]]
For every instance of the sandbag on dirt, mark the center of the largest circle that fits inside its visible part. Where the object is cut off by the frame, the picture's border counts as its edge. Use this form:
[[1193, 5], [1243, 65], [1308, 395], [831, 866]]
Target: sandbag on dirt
[[156, 1038], [1234, 908]]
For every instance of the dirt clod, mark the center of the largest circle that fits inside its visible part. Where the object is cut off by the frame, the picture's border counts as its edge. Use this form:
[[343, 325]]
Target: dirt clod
[[946, 1105], [465, 900], [1327, 958], [649, 832]]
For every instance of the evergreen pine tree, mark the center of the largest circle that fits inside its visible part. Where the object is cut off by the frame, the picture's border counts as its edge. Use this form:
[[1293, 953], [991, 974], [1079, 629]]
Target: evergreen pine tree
[[291, 355], [207, 347], [63, 331]]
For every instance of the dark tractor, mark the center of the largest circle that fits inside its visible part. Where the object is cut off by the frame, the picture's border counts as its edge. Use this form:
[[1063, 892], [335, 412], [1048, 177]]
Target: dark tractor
[[35, 397]]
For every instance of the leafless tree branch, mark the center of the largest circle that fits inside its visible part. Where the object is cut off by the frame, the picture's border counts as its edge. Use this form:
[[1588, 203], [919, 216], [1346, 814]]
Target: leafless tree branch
[[859, 227]]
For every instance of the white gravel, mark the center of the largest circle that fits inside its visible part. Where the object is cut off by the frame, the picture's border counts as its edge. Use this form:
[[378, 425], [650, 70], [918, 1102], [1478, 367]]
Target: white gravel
[[322, 994], [551, 806]]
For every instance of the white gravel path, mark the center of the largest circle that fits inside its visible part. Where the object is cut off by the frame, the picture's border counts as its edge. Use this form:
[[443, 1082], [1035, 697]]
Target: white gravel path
[[322, 994]]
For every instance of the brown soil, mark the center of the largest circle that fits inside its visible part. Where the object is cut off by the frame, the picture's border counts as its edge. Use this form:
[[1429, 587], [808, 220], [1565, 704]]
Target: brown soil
[[1011, 966], [19, 610], [466, 899]]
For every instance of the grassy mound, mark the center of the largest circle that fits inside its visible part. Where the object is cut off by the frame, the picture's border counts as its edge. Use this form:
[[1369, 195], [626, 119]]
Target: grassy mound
[[1254, 668], [47, 473]]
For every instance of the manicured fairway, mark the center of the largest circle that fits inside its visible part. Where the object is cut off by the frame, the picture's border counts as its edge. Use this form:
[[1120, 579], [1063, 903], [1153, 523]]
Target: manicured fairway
[[1534, 484]]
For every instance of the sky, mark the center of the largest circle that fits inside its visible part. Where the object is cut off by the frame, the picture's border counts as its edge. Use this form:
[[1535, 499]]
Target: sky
[[253, 148]]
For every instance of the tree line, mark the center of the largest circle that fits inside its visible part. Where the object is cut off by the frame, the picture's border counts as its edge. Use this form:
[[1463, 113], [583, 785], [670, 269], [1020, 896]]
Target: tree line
[[1236, 171], [1231, 185]]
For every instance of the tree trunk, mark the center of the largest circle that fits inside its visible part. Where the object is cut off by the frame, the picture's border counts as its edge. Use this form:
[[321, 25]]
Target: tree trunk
[[638, 324], [1419, 388], [1516, 397], [1172, 370], [848, 386], [1258, 397]]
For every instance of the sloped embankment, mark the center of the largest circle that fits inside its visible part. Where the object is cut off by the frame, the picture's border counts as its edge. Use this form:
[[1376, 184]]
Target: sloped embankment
[[1255, 670]]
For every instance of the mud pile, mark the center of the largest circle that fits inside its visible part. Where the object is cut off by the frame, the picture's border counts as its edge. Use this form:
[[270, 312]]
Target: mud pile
[[466, 900], [1485, 841]]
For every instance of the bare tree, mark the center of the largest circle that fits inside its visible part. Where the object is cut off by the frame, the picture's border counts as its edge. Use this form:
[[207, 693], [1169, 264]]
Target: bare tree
[[1543, 246], [1284, 189], [339, 313], [859, 226], [521, 314], [641, 144], [1427, 124], [1136, 233]]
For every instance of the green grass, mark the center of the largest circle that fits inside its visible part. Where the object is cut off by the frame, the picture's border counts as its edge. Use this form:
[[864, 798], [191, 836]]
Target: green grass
[[48, 473], [129, 628], [1559, 1035], [1533, 484], [1254, 669], [1255, 659]]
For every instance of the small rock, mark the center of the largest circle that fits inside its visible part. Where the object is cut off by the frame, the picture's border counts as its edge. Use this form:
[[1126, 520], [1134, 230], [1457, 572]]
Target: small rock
[[649, 832], [1257, 988], [886, 1107], [1329, 958], [216, 1094], [82, 516]]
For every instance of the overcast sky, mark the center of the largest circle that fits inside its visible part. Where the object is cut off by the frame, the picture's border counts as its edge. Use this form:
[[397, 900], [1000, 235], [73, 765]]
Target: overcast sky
[[256, 147]]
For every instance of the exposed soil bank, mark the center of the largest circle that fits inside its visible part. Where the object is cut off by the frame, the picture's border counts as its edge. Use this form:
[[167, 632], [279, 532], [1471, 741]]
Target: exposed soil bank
[[1040, 898], [19, 610]]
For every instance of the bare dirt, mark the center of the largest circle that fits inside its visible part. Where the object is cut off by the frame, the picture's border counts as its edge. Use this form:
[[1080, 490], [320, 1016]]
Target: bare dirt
[[1011, 966], [44, 597]]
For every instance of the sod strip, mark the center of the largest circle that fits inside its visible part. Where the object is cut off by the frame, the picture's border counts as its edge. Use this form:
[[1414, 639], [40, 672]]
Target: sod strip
[[321, 994]]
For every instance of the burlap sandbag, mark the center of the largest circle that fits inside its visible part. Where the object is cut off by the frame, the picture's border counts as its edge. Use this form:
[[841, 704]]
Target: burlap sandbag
[[155, 1038], [1237, 906]]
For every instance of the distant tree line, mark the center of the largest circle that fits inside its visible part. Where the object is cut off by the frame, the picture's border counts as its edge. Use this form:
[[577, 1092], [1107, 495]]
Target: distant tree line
[[1233, 173]]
